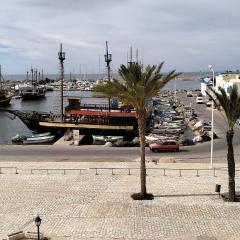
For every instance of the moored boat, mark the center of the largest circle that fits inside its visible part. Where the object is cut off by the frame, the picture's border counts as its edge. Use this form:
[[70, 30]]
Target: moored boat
[[33, 139], [5, 96]]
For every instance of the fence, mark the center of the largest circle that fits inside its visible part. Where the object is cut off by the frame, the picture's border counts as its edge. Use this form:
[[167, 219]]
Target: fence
[[63, 170], [164, 171], [15, 169]]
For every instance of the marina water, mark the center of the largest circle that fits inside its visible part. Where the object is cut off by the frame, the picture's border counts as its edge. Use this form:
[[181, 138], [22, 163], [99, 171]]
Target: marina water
[[10, 126]]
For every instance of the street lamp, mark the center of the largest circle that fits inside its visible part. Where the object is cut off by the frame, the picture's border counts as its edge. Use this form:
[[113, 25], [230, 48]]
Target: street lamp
[[213, 81], [38, 223]]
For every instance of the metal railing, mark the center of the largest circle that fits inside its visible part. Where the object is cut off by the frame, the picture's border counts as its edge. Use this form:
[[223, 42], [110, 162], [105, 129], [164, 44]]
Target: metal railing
[[63, 170], [14, 168], [164, 171]]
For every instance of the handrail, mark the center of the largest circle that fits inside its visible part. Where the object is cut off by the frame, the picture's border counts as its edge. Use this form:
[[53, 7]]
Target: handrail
[[58, 169]]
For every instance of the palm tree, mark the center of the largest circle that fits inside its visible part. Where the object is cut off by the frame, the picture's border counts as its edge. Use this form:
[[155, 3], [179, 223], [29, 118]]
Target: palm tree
[[135, 87], [231, 109]]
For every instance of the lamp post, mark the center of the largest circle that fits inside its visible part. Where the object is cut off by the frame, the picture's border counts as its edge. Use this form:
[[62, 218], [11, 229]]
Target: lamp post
[[211, 158], [38, 221]]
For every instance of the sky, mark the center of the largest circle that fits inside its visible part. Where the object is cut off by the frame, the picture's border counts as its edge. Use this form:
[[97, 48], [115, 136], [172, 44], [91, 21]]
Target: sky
[[187, 35]]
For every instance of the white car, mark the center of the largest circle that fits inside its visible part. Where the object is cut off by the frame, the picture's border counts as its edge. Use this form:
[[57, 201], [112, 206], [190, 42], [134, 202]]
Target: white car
[[199, 100], [238, 121], [209, 103]]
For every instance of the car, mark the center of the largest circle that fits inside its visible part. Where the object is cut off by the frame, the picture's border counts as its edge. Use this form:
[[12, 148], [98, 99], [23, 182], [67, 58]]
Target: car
[[189, 94], [207, 126], [238, 121], [164, 146], [209, 103], [199, 100]]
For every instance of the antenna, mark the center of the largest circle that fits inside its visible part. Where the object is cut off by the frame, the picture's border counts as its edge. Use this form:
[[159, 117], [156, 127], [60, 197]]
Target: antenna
[[61, 57]]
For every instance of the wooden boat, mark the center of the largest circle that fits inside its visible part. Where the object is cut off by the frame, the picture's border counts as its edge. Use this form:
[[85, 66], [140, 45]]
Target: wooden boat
[[5, 97]]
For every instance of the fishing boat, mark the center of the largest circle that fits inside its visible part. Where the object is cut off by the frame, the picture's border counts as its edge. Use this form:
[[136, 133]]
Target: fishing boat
[[5, 96]]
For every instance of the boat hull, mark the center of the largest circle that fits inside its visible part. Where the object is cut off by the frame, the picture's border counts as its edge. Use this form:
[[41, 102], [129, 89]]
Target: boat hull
[[5, 102], [39, 122]]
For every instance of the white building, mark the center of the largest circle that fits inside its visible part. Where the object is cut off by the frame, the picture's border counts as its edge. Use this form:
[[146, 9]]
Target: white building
[[204, 83], [226, 81], [223, 80]]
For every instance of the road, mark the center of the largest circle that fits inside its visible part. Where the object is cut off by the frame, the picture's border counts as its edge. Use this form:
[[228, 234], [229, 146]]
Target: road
[[197, 153]]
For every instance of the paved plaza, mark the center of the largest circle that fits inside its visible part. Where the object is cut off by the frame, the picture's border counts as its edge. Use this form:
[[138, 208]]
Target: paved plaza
[[89, 206]]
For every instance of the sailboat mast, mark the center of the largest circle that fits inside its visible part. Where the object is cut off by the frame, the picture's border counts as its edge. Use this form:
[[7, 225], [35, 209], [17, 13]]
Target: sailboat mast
[[61, 57], [108, 59], [1, 77]]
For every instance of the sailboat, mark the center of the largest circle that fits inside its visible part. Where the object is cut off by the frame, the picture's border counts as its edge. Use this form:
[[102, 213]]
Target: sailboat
[[5, 97], [32, 90]]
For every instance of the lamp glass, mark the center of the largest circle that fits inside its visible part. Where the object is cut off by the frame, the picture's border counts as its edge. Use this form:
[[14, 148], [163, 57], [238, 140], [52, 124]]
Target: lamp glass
[[38, 221]]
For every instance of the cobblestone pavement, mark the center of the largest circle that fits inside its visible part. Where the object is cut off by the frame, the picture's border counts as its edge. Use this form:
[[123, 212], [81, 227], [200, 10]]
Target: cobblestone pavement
[[89, 206]]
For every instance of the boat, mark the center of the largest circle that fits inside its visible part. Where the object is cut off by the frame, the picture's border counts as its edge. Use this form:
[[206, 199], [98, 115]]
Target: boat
[[89, 119], [5, 96], [33, 139], [32, 90]]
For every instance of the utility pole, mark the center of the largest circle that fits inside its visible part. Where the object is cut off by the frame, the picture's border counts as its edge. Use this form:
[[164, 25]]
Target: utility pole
[[108, 59], [61, 57]]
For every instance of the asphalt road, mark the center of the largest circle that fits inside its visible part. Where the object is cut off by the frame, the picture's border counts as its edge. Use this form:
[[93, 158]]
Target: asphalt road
[[197, 153]]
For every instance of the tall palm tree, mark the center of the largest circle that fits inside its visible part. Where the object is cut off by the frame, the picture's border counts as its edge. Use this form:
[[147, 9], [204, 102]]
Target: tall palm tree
[[135, 87], [231, 109]]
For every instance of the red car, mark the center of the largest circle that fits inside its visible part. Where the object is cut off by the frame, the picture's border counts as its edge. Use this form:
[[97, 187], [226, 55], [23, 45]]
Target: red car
[[164, 146]]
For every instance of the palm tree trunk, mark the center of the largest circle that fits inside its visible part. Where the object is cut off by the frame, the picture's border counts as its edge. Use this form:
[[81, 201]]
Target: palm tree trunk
[[141, 129], [231, 166]]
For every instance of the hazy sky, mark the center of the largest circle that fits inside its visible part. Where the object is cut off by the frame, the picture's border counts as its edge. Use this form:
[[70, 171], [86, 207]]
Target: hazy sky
[[187, 34]]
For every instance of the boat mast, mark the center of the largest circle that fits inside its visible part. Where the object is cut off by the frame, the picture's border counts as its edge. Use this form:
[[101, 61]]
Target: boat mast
[[131, 58], [61, 57], [32, 74], [1, 76], [42, 74], [108, 59]]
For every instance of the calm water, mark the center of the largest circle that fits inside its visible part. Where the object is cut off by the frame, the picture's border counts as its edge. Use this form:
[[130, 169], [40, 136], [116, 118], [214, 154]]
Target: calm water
[[9, 127]]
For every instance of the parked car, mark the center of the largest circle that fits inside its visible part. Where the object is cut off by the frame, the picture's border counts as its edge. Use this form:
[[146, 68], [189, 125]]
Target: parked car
[[207, 126], [189, 94], [164, 146], [209, 103], [199, 100], [238, 121]]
